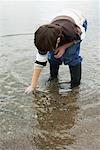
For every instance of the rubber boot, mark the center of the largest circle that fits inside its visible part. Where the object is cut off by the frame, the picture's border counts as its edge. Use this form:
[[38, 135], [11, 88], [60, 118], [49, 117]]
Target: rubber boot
[[75, 73]]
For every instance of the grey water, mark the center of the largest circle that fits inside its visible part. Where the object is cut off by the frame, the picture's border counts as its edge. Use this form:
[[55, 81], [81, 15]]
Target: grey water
[[54, 118]]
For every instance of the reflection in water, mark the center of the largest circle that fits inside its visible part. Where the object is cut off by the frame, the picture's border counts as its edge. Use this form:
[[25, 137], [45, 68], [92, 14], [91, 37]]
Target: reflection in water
[[56, 115]]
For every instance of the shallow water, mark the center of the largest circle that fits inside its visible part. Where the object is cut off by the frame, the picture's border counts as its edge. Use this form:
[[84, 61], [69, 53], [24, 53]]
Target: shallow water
[[53, 118]]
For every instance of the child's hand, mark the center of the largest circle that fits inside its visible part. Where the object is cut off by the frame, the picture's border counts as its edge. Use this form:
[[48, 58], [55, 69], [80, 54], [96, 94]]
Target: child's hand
[[59, 52], [29, 89]]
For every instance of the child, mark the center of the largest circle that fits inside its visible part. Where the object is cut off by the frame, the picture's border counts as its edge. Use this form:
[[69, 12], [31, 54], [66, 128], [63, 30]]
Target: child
[[59, 41]]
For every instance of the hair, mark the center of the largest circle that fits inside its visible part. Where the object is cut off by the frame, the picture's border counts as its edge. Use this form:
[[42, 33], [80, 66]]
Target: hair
[[46, 37]]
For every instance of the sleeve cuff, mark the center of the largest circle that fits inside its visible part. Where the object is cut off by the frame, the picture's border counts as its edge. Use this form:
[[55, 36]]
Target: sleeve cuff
[[41, 63]]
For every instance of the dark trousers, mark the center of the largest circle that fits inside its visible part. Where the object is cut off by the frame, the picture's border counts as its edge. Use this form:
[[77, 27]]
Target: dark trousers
[[54, 68], [75, 73]]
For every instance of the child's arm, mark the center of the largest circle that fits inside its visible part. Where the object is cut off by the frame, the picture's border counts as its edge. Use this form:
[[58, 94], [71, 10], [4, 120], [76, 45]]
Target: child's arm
[[41, 61], [35, 77]]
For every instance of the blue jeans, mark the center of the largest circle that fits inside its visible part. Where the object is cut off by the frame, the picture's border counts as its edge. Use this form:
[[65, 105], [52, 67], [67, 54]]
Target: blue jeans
[[70, 57]]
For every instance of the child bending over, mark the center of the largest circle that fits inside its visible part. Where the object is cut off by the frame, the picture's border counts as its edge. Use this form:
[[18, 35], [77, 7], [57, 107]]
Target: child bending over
[[59, 42]]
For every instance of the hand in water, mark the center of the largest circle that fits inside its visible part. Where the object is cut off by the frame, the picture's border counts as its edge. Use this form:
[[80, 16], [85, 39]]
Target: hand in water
[[29, 89]]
